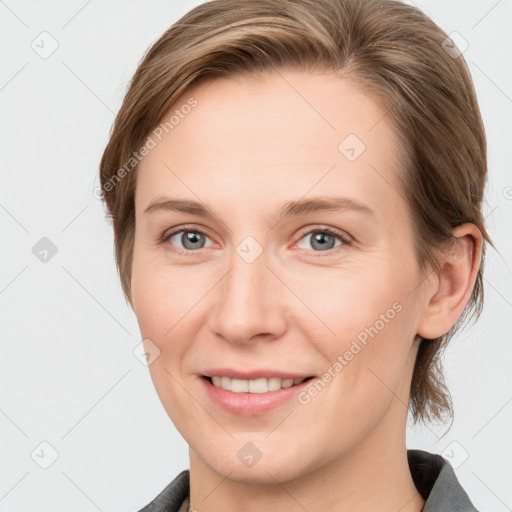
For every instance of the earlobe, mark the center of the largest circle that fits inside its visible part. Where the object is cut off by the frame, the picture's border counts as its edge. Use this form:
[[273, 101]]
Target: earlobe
[[447, 298]]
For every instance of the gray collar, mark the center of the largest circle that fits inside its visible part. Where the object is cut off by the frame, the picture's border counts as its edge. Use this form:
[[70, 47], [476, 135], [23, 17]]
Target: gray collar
[[436, 481]]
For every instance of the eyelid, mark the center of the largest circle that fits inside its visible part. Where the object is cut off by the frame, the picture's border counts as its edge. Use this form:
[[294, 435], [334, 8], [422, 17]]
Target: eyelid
[[344, 237], [186, 227]]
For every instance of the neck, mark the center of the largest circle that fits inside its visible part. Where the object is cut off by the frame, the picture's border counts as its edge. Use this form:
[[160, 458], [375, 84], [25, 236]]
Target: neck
[[372, 475]]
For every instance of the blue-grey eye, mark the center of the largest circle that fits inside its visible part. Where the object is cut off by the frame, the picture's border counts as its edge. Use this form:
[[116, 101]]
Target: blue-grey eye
[[322, 240], [190, 240]]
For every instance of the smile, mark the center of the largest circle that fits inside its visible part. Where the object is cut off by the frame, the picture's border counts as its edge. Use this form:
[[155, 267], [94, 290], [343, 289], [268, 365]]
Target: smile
[[251, 397], [262, 385]]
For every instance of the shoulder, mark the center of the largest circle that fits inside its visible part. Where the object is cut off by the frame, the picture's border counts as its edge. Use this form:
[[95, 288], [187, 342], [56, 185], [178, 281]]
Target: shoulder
[[172, 497], [436, 481]]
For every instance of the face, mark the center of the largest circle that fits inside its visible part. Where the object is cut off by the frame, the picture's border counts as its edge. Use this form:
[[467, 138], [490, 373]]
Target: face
[[260, 279]]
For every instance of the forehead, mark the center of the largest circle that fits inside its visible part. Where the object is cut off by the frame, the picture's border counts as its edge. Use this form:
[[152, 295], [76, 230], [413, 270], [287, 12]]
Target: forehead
[[279, 135]]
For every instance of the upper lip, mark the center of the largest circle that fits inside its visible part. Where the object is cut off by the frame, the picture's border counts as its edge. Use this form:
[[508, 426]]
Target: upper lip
[[253, 374]]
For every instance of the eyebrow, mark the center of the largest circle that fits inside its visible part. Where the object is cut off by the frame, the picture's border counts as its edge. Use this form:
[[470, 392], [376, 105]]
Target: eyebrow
[[289, 209]]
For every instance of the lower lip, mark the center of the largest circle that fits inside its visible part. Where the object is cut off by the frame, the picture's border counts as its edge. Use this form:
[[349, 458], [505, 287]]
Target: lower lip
[[250, 404]]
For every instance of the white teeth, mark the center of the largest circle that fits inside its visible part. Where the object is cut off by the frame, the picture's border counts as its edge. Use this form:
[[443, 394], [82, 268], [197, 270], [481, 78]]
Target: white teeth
[[262, 385]]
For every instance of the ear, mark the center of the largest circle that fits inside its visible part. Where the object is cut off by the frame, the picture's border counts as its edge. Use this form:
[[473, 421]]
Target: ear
[[448, 292]]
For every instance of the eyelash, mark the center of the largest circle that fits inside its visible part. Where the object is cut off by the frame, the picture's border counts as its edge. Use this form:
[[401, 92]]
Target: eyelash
[[331, 231]]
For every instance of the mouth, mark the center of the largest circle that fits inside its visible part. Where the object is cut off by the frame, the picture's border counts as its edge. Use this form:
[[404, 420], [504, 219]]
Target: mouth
[[254, 386], [252, 397]]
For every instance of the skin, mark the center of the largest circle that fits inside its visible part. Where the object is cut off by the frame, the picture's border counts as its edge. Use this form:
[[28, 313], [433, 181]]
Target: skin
[[248, 147]]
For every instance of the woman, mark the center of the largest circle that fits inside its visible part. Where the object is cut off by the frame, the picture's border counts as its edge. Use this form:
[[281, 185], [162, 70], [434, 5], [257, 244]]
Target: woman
[[296, 190]]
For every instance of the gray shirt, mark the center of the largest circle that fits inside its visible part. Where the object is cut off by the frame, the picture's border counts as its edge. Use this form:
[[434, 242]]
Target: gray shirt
[[433, 476]]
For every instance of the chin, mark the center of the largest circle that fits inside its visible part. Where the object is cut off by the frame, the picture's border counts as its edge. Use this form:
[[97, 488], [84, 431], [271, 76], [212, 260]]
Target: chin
[[245, 463]]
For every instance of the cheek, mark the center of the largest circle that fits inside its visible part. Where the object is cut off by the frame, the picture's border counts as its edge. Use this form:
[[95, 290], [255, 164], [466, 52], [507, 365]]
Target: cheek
[[169, 303], [164, 313], [370, 316], [156, 298], [348, 302]]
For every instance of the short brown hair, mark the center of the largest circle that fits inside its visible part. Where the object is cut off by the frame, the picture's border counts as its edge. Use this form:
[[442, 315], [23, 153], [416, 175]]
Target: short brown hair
[[391, 50]]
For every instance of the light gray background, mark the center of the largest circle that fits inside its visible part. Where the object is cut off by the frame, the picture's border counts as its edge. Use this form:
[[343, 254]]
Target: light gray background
[[68, 373]]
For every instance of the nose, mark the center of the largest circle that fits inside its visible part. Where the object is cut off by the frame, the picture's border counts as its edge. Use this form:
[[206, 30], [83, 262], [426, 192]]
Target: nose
[[249, 302]]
